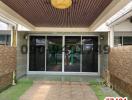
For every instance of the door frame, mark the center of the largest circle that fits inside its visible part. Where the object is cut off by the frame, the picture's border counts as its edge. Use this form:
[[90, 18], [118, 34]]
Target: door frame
[[63, 54]]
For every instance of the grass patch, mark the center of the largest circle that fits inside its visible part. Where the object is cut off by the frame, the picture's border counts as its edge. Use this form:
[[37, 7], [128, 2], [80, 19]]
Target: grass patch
[[14, 92], [97, 89]]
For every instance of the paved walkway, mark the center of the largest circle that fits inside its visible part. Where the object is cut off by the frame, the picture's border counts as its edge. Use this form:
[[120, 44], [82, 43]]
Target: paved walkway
[[47, 90]]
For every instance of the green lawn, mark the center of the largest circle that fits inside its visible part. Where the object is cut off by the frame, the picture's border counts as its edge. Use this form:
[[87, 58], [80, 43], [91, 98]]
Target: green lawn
[[97, 89], [14, 92]]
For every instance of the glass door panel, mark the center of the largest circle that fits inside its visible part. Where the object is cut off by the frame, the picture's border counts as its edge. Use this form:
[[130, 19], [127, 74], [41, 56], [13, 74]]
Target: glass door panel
[[37, 53], [54, 53], [89, 54], [72, 54]]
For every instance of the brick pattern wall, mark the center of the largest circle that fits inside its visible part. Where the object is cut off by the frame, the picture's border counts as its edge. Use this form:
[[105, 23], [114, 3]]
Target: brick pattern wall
[[5, 81], [120, 67], [7, 65]]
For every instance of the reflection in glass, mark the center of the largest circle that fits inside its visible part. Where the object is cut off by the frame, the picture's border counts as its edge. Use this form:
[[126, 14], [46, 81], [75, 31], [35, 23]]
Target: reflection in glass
[[89, 54], [117, 41], [37, 53], [77, 58], [127, 40], [5, 39], [54, 53], [72, 53]]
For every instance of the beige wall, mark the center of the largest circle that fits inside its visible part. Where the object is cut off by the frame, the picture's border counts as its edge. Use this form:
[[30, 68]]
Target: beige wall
[[124, 26], [57, 29]]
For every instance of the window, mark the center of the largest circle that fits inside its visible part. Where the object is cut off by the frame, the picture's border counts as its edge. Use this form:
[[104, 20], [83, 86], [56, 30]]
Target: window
[[127, 40], [118, 41], [122, 40], [5, 39]]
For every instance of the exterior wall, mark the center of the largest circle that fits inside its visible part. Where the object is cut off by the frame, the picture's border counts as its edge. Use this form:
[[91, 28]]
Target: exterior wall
[[21, 69], [5, 32], [120, 67], [7, 65], [124, 26], [103, 56], [5, 81], [51, 29], [123, 33], [22, 58]]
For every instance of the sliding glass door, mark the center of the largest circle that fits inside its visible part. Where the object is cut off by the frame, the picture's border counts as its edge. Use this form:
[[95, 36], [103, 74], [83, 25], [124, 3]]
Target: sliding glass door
[[90, 54], [63, 53], [72, 53], [37, 53], [54, 53]]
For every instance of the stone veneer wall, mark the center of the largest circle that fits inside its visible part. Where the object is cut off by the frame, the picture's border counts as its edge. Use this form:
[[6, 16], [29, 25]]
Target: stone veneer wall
[[7, 65], [120, 67], [103, 56], [21, 69]]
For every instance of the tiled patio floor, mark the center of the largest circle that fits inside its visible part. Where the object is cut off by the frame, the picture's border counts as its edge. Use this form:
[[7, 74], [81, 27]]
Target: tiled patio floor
[[69, 78], [59, 90]]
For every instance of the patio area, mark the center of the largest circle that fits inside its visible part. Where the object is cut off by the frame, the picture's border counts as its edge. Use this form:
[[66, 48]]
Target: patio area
[[56, 87], [63, 78], [65, 49], [67, 87], [49, 90]]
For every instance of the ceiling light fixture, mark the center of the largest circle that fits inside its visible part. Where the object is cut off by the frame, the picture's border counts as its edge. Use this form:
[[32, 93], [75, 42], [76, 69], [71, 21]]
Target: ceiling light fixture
[[61, 4]]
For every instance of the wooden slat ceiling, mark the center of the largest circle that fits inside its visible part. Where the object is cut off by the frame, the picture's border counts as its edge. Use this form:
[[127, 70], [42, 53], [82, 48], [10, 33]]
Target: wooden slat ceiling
[[41, 13]]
